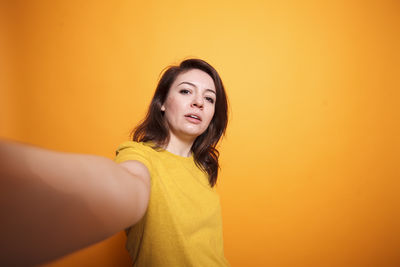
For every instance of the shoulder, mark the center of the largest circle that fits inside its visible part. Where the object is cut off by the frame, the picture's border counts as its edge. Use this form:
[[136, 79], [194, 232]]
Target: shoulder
[[135, 157], [133, 145], [131, 150]]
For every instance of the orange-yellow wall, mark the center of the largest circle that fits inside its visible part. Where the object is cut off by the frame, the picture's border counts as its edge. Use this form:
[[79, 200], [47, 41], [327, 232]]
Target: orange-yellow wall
[[310, 165]]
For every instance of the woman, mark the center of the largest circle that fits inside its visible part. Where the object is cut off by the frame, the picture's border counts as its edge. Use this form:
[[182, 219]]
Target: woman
[[160, 188]]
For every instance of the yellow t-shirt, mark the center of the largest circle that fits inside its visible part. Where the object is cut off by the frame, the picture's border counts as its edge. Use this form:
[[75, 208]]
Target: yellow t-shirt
[[182, 225]]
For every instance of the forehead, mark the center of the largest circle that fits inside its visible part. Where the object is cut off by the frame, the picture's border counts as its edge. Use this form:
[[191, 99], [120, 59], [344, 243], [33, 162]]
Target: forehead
[[198, 77]]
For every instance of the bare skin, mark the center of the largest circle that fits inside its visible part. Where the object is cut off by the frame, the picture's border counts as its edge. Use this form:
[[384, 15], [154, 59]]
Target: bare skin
[[193, 92], [54, 203]]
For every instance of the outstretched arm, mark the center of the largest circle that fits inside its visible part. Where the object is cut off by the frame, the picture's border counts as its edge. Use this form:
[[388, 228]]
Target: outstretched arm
[[53, 203]]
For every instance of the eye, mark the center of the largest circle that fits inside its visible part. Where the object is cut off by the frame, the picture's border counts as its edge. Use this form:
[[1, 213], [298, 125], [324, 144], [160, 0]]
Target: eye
[[209, 99], [184, 91]]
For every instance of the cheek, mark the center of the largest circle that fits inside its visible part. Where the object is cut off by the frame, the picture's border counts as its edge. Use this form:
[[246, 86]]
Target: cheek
[[170, 105], [210, 115], [172, 108]]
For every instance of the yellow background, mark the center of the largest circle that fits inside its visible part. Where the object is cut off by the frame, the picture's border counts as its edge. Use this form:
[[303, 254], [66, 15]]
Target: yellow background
[[310, 164]]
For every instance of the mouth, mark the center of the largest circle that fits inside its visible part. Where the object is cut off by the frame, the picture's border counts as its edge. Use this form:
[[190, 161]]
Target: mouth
[[193, 117]]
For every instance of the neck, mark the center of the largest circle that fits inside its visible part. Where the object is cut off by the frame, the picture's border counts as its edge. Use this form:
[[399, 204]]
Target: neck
[[179, 146]]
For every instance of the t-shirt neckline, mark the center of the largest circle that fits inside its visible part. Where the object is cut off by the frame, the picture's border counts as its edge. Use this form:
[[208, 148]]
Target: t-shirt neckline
[[190, 158], [166, 152]]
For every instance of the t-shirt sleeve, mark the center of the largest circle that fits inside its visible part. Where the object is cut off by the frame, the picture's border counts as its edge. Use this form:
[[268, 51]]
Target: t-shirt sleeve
[[131, 150]]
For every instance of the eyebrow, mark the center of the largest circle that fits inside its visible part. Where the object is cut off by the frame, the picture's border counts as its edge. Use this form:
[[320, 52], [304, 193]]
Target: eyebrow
[[192, 84]]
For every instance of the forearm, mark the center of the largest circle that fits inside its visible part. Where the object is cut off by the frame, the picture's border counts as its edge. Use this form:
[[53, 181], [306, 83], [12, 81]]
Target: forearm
[[55, 203]]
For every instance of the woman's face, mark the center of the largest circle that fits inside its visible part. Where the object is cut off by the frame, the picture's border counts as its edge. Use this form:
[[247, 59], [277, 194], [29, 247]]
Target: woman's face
[[190, 104]]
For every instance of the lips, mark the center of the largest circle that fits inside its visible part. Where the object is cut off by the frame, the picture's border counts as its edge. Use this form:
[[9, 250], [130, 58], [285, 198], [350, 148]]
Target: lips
[[193, 116]]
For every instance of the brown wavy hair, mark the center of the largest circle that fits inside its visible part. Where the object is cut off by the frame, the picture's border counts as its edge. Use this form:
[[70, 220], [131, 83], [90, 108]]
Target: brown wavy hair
[[154, 127]]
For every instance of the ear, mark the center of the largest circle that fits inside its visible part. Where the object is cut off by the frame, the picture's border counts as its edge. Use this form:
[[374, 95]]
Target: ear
[[162, 108]]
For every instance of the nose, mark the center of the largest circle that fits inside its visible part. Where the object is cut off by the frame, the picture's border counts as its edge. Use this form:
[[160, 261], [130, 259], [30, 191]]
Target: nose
[[198, 102]]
